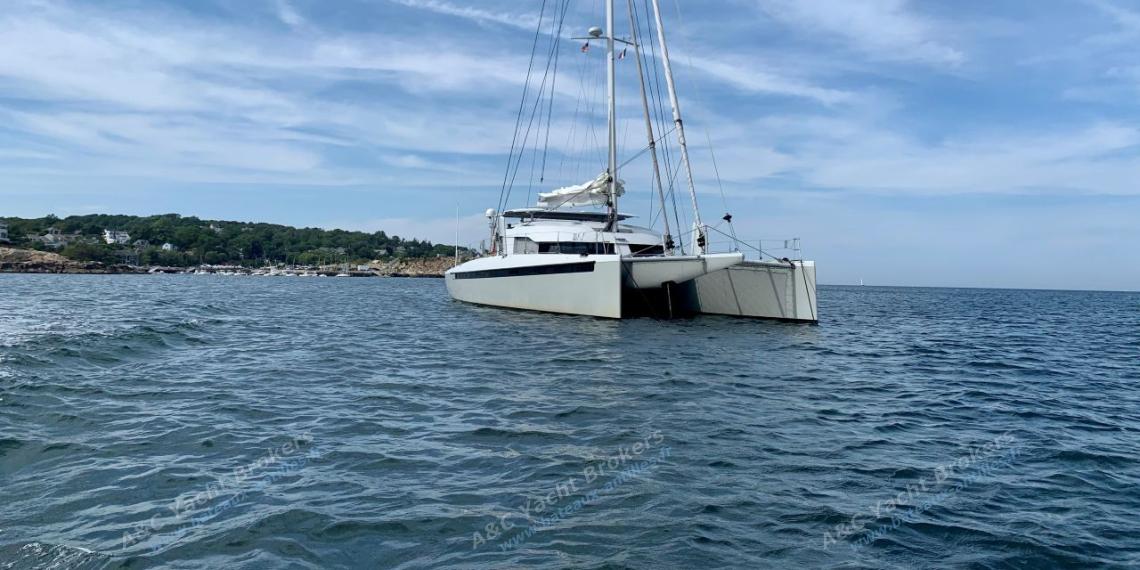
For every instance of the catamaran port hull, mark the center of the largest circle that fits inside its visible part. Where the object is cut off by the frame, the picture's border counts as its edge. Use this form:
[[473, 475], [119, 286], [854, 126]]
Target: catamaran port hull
[[570, 284]]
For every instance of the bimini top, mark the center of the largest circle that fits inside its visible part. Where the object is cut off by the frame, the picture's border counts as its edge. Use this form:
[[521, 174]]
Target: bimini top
[[541, 214]]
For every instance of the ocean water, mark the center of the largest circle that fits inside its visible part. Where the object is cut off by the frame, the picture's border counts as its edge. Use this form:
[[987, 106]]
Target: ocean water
[[235, 422]]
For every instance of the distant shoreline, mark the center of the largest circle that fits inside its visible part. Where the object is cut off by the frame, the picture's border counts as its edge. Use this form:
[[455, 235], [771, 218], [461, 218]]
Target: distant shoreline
[[147, 271], [33, 262]]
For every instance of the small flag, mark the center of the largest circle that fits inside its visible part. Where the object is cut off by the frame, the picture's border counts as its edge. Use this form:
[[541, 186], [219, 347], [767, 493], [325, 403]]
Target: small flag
[[622, 54], [585, 47]]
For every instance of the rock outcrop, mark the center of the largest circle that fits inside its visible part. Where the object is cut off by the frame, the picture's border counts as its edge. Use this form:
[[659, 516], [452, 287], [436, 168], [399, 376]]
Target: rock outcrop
[[434, 267], [14, 260]]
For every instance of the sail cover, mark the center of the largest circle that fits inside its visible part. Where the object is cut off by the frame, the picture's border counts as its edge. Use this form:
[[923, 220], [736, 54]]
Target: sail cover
[[593, 193]]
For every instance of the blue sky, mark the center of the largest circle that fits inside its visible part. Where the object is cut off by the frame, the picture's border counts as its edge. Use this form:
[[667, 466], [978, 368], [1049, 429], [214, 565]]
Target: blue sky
[[968, 143]]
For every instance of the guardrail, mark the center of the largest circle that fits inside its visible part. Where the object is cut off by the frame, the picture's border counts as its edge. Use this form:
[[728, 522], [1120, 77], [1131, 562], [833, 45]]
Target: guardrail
[[758, 249]]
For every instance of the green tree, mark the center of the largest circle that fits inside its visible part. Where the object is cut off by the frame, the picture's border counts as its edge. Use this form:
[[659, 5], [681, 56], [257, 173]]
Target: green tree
[[89, 252], [236, 242]]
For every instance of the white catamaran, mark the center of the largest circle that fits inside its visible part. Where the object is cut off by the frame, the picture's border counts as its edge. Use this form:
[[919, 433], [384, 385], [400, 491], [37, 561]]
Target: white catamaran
[[558, 258]]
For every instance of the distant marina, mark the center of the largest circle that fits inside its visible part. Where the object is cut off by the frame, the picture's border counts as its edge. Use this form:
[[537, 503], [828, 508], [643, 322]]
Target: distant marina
[[270, 271], [359, 271]]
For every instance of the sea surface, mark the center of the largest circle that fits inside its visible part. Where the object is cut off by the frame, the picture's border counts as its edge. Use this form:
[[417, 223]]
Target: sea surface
[[241, 422]]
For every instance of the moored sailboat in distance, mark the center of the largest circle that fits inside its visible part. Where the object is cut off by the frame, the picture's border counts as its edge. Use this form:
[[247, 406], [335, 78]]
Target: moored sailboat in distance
[[559, 258]]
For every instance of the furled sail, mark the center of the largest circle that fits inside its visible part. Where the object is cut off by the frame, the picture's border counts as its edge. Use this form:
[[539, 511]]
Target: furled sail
[[593, 193]]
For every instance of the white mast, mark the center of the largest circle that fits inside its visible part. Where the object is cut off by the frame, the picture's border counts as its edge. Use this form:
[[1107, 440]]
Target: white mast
[[612, 88], [649, 130], [701, 240]]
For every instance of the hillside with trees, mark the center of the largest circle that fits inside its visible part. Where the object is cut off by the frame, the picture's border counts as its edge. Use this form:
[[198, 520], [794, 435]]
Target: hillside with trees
[[192, 241]]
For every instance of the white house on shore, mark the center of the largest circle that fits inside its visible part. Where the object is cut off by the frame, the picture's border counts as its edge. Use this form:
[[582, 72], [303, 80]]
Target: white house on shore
[[116, 237], [3, 232], [54, 239], [169, 247]]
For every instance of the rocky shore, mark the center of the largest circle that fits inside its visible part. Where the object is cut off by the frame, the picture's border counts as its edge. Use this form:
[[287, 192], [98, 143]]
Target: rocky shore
[[413, 267], [14, 260], [30, 261]]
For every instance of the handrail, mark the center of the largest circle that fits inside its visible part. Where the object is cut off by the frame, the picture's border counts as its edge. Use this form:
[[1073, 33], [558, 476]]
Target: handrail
[[758, 248]]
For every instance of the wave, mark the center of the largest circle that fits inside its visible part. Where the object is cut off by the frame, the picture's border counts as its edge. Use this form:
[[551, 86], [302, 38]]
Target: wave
[[40, 556]]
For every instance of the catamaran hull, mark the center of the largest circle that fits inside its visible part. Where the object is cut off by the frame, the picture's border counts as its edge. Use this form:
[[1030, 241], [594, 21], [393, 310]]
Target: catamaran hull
[[569, 284], [759, 289], [598, 286]]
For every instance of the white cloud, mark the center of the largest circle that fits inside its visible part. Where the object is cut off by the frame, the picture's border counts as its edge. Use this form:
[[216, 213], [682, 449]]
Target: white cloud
[[884, 29], [1125, 18], [186, 100], [749, 78], [164, 98], [526, 22], [442, 68], [174, 139], [785, 154], [205, 102], [731, 71], [1097, 159], [289, 15], [24, 154]]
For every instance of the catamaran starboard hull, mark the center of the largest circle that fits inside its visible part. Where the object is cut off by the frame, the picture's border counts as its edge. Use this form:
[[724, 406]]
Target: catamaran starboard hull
[[779, 290]]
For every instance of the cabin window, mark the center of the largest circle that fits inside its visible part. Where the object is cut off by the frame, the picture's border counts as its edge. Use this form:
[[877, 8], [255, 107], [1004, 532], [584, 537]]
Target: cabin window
[[640, 249], [525, 245], [576, 248]]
